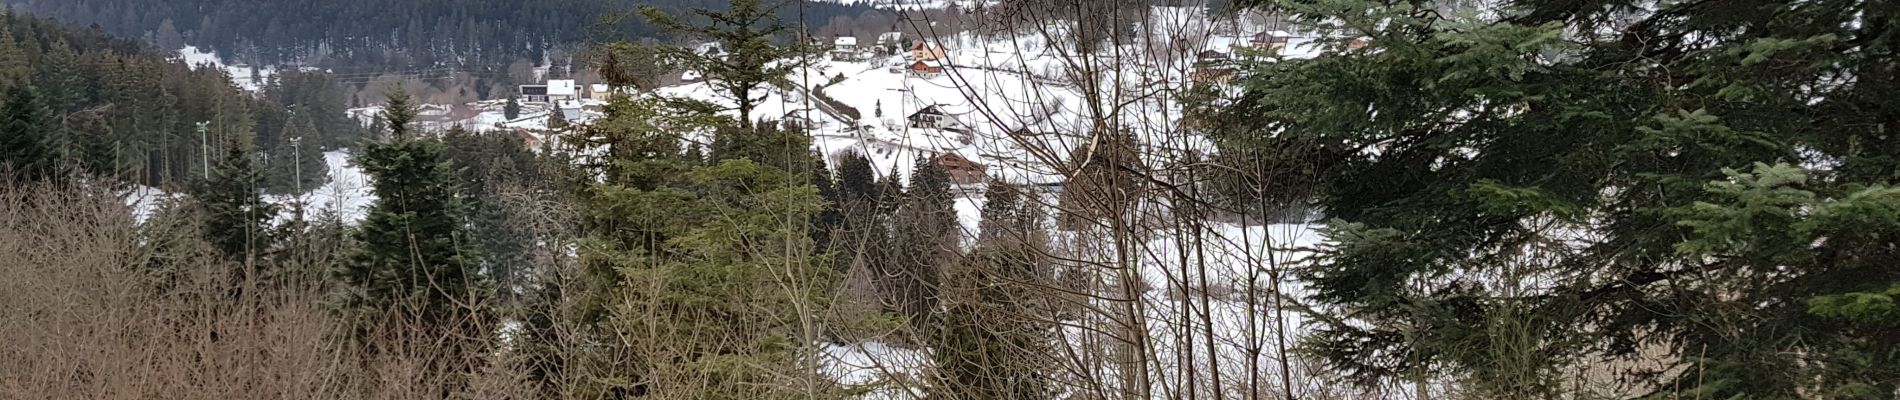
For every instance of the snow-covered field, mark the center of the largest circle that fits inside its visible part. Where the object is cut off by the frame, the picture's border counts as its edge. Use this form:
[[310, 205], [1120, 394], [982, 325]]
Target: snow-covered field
[[245, 77], [347, 195]]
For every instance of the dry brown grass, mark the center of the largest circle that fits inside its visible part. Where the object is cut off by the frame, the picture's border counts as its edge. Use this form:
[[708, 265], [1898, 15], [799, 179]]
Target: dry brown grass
[[95, 306]]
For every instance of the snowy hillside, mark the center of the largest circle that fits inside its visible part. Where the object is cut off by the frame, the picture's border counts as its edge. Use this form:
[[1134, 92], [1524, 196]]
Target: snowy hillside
[[347, 195], [246, 77]]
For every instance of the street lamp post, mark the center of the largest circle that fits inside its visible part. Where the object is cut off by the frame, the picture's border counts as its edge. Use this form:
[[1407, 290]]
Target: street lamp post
[[296, 155], [204, 142]]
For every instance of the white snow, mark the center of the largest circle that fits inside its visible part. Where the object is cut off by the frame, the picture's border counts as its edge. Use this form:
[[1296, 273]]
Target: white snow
[[249, 78], [562, 87], [347, 194], [889, 372], [145, 200]]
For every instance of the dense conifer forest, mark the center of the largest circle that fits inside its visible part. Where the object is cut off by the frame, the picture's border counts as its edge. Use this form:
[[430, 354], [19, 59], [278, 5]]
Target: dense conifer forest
[[381, 32], [81, 99]]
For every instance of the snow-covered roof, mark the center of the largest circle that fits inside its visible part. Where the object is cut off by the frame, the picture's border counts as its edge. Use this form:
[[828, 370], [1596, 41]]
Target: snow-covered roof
[[929, 110], [562, 87], [890, 37], [845, 41], [1272, 36], [600, 88]]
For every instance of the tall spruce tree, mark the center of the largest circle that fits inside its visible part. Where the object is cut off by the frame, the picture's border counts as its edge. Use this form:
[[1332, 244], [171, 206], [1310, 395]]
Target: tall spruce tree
[[702, 279], [237, 219], [557, 120], [15, 68], [746, 30], [1555, 185], [995, 338], [512, 110], [486, 165], [413, 254], [26, 134], [297, 161], [926, 237]]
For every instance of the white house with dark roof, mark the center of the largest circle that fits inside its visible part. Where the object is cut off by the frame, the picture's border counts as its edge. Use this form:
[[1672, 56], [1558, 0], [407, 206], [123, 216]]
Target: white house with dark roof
[[931, 117]]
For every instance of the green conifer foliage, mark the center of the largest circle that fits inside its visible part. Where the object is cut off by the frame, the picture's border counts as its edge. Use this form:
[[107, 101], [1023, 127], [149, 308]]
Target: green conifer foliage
[[995, 337], [26, 134], [748, 31], [512, 110], [1523, 193], [413, 253], [702, 280], [237, 219]]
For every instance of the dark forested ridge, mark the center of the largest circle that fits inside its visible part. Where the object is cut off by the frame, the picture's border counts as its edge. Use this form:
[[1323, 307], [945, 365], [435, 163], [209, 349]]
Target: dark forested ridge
[[426, 32], [82, 101]]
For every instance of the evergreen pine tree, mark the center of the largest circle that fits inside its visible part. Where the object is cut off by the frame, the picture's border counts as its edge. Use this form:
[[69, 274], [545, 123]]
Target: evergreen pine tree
[[747, 29], [512, 110], [25, 135], [298, 156], [857, 180], [167, 37], [994, 341], [826, 223], [926, 238], [91, 138], [15, 68], [237, 218], [63, 82], [487, 164], [413, 256], [1565, 185], [718, 257], [557, 120]]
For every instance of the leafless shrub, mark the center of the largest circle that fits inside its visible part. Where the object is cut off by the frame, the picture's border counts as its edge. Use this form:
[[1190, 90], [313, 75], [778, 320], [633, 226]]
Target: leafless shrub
[[94, 305]]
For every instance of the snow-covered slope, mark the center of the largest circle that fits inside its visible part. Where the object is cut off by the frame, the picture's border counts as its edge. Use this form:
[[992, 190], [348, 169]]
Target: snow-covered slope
[[347, 195], [245, 77]]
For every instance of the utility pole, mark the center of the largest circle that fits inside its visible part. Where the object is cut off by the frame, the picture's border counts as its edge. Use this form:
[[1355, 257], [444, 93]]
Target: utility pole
[[296, 154], [204, 141]]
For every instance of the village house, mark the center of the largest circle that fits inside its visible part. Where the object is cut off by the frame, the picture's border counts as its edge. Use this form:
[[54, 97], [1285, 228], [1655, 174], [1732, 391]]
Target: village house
[[922, 51], [563, 89], [931, 117], [552, 91], [889, 43], [926, 68], [961, 171], [533, 93], [571, 111], [1275, 40], [845, 48], [1212, 67], [600, 91]]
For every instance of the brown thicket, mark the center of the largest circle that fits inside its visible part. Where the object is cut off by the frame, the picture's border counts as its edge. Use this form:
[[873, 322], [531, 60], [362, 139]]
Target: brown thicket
[[96, 306]]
